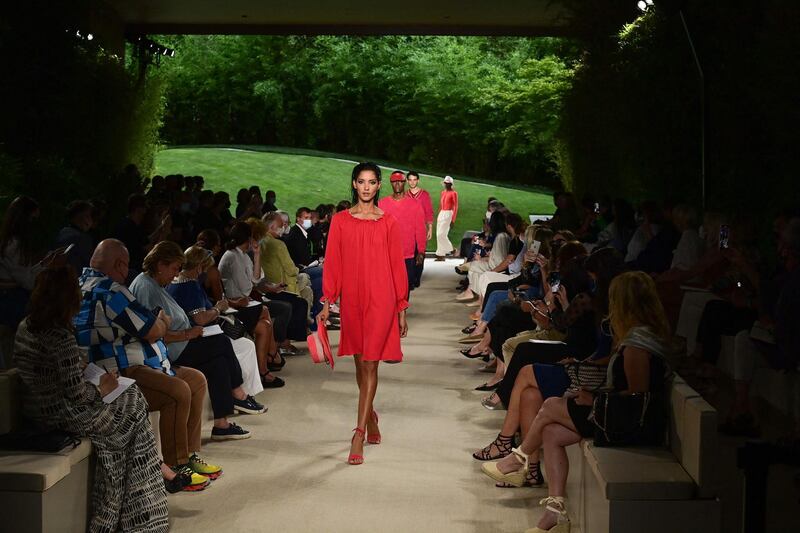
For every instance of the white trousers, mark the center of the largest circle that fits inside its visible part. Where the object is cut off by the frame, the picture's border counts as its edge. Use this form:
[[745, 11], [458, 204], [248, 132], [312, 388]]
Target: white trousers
[[492, 277], [443, 244], [245, 351]]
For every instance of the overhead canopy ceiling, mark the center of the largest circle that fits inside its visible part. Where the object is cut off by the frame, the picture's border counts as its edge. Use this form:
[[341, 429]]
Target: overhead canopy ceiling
[[454, 17]]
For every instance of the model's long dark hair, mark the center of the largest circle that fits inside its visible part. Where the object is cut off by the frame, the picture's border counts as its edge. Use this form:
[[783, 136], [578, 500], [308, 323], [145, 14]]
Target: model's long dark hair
[[363, 167]]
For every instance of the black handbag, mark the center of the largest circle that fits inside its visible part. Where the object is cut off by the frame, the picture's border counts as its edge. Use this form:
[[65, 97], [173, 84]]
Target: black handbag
[[36, 440], [585, 375], [232, 327], [619, 418]]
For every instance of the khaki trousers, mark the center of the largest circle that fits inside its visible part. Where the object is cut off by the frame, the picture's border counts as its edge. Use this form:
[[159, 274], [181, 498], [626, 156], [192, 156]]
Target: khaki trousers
[[179, 401]]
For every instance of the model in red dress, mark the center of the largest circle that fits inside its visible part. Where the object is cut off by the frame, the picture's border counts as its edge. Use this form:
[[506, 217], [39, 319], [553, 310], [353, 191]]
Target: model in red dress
[[365, 271]]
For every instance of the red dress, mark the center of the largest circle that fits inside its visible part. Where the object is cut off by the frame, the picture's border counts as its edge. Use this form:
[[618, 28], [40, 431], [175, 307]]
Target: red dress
[[365, 270]]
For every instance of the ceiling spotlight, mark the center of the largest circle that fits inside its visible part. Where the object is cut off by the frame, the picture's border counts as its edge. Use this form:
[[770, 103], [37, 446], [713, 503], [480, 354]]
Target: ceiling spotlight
[[172, 53], [89, 36], [644, 5]]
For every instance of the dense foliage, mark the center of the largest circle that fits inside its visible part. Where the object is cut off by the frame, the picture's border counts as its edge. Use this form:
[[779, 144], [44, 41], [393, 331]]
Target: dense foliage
[[631, 121], [74, 114], [488, 107]]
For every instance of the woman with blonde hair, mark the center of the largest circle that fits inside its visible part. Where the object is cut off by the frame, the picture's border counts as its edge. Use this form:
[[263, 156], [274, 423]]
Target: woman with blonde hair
[[186, 290], [638, 365]]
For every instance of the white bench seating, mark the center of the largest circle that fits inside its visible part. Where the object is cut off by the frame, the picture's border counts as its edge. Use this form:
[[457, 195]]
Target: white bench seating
[[631, 490]]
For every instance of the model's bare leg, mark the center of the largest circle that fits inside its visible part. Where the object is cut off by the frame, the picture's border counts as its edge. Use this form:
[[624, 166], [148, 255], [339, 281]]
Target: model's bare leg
[[367, 378]]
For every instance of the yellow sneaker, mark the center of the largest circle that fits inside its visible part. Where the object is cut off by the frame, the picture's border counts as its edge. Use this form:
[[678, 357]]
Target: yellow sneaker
[[192, 481], [199, 466]]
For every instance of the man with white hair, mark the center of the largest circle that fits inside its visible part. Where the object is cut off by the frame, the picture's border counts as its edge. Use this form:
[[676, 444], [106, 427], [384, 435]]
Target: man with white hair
[[448, 209]]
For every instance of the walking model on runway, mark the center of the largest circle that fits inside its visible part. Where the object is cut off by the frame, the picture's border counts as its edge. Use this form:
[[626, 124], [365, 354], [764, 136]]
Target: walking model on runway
[[366, 273], [448, 209]]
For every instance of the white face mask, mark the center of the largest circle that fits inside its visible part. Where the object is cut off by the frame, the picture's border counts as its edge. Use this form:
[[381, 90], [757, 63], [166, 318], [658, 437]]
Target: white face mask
[[307, 223], [286, 230]]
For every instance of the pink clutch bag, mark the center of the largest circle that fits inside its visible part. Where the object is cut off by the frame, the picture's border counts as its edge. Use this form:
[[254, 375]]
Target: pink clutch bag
[[318, 345]]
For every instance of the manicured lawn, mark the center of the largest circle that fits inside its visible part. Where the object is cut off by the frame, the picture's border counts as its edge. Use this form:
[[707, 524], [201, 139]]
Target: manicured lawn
[[306, 180]]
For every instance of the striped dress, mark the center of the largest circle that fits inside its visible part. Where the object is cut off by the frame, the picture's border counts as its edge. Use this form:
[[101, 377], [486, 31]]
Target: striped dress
[[128, 492]]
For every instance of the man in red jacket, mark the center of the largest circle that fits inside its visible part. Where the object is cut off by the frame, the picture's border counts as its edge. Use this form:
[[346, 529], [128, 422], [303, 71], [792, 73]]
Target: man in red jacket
[[411, 221], [422, 197]]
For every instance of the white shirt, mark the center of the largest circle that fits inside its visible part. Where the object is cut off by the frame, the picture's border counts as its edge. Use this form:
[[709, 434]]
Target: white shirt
[[236, 270], [690, 249]]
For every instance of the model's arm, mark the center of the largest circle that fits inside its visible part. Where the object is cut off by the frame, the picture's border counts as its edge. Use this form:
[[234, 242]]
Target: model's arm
[[455, 206], [331, 274]]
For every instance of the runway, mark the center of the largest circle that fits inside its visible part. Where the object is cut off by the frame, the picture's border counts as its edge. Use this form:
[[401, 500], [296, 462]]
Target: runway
[[292, 475]]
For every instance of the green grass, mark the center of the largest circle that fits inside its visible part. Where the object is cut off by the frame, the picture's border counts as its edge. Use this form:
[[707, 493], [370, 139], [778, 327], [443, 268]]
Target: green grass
[[308, 180]]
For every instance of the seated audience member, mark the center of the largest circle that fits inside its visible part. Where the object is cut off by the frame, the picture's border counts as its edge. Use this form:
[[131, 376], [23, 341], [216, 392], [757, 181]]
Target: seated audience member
[[128, 491], [641, 332], [619, 232], [76, 233], [528, 282], [278, 268], [275, 315], [205, 218], [212, 355], [120, 334], [737, 287], [649, 228], [773, 342], [566, 215], [190, 296], [241, 281], [220, 209], [656, 257], [269, 203], [502, 273], [131, 231], [210, 279], [577, 326], [19, 263], [691, 246], [344, 204], [500, 246], [242, 202], [318, 233], [304, 285], [297, 239]]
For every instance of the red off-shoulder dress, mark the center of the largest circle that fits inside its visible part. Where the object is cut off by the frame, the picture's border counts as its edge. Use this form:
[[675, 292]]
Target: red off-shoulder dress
[[365, 270]]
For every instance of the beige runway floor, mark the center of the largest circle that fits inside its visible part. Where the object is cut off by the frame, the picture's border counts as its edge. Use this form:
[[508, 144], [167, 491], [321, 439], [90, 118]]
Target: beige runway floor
[[292, 474]]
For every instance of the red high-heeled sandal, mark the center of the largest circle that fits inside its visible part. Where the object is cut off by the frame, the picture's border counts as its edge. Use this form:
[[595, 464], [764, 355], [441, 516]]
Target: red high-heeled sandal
[[355, 459], [374, 438]]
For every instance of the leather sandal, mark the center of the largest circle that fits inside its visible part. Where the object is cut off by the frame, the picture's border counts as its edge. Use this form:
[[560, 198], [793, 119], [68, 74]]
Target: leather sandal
[[354, 458]]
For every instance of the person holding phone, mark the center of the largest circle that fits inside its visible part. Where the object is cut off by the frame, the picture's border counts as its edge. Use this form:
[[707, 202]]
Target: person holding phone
[[365, 272]]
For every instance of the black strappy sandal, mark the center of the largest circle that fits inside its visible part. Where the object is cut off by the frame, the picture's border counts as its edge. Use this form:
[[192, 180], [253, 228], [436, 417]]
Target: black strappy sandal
[[469, 329], [503, 444], [465, 353], [533, 478]]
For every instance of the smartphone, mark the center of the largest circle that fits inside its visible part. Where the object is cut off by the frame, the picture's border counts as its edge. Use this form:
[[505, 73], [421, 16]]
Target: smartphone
[[518, 294], [69, 248], [157, 309], [555, 281], [724, 236], [535, 247]]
